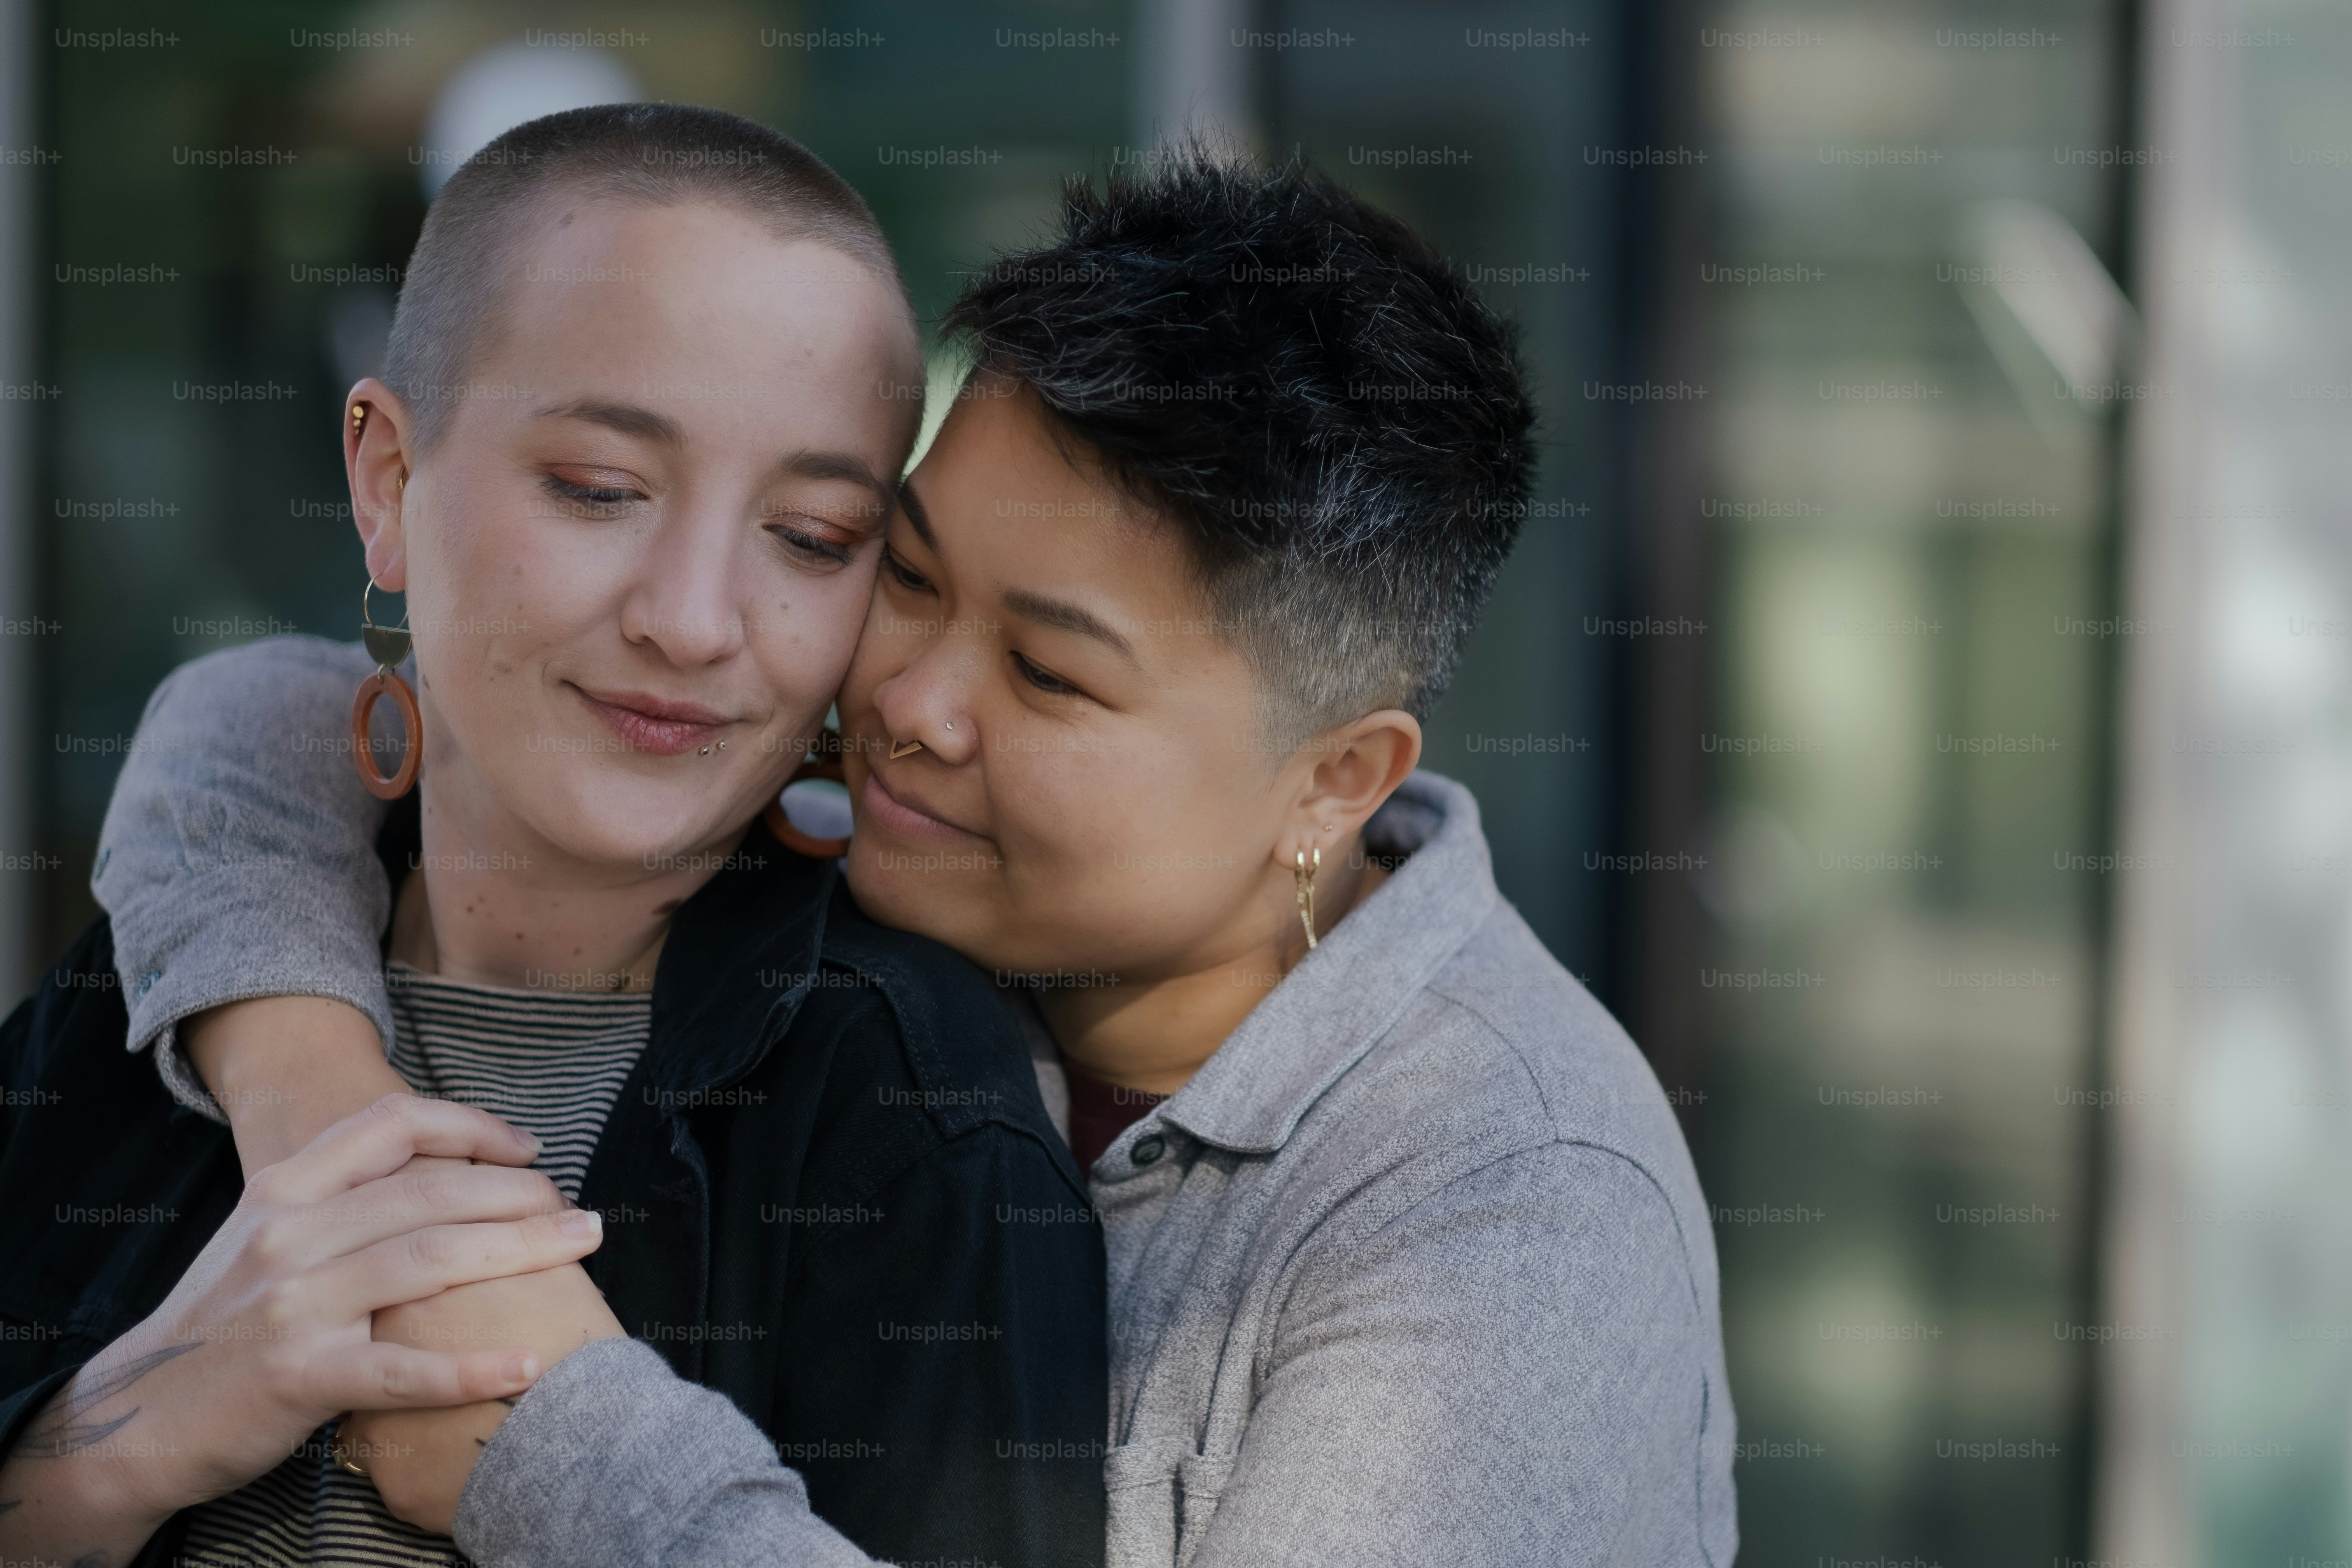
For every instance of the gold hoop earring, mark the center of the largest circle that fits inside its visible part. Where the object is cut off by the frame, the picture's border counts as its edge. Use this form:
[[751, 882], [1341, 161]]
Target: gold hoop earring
[[1306, 878]]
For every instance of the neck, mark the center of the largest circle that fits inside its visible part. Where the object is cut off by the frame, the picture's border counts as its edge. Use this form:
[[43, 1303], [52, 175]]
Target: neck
[[497, 904], [1155, 1034]]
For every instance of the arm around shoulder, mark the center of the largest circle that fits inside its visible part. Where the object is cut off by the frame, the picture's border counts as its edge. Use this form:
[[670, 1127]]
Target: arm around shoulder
[[237, 858]]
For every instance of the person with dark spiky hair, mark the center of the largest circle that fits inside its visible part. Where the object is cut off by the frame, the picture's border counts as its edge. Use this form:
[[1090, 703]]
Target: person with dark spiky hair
[[1407, 1259], [1301, 385]]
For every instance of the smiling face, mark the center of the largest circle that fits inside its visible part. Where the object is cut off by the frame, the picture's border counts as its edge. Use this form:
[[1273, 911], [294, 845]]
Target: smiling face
[[651, 529], [1093, 796]]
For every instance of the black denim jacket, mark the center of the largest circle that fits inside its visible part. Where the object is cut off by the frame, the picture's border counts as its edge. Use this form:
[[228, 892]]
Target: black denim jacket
[[812, 1185]]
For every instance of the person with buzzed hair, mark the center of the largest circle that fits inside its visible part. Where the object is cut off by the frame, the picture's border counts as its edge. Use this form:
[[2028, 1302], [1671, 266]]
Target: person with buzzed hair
[[640, 428]]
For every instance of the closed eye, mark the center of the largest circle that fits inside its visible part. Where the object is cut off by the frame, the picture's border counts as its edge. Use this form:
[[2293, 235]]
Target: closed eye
[[1044, 680], [809, 547], [589, 501], [905, 576]]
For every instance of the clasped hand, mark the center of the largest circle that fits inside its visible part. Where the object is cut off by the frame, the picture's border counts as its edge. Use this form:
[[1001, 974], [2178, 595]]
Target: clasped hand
[[272, 1329]]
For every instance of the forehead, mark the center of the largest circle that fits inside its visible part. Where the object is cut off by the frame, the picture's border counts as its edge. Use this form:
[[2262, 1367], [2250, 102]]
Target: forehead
[[999, 477], [1017, 514], [695, 306]]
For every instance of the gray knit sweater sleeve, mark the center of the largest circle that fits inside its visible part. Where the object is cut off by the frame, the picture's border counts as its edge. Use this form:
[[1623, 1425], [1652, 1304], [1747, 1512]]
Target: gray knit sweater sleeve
[[612, 1460], [238, 855]]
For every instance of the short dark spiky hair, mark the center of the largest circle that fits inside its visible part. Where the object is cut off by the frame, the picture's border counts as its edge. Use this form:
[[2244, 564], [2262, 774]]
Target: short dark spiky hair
[[658, 154], [1338, 425]]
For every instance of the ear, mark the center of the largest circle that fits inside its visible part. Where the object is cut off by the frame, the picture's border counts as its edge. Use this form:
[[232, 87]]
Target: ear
[[377, 460], [1349, 773]]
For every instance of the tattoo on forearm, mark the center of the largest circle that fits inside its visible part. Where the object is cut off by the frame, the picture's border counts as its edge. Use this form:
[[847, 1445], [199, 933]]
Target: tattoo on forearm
[[65, 1427], [483, 1442], [502, 1399]]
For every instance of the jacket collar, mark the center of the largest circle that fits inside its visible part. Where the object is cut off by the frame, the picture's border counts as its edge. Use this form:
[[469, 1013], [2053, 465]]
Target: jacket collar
[[741, 949], [1348, 993], [743, 946]]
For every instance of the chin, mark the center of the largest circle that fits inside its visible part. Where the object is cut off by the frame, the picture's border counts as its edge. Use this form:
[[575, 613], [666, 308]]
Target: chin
[[909, 898], [639, 828]]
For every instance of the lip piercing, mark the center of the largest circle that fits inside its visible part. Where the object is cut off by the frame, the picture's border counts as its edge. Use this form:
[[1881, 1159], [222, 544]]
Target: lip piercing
[[705, 751]]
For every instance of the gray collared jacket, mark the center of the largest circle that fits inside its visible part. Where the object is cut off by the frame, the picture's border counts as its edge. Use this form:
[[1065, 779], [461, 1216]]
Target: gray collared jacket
[[1414, 1271]]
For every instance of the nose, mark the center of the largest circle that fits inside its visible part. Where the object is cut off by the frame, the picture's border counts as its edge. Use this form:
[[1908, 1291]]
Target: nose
[[684, 603], [928, 701]]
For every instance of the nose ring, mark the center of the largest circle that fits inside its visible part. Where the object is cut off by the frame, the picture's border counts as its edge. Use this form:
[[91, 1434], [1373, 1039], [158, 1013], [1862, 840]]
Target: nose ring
[[906, 749]]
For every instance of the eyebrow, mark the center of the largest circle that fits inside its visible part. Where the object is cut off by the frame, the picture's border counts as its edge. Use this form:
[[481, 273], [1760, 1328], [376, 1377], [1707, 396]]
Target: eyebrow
[[626, 417], [1063, 616], [845, 466]]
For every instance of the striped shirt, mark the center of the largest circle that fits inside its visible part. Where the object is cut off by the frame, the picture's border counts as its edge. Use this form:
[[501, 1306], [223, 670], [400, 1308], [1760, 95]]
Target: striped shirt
[[551, 1062]]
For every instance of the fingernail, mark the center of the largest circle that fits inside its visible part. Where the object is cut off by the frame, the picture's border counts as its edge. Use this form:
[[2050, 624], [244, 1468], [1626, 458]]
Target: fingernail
[[521, 1367], [529, 1143], [581, 1222]]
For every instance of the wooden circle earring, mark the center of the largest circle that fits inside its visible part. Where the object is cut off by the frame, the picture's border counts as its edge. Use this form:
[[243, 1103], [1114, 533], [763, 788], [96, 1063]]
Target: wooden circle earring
[[823, 762], [387, 646]]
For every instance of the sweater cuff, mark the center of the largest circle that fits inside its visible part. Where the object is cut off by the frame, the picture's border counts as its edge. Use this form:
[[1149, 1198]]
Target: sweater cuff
[[612, 1459], [236, 943], [239, 942]]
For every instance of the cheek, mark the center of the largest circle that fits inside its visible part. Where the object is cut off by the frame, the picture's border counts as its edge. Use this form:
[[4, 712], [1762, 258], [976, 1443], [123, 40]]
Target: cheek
[[529, 580], [1101, 822], [815, 628]]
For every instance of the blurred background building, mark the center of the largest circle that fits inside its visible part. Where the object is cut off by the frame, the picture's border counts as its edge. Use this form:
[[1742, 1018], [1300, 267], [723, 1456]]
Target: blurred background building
[[1920, 705]]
